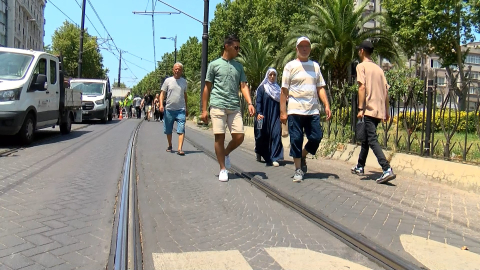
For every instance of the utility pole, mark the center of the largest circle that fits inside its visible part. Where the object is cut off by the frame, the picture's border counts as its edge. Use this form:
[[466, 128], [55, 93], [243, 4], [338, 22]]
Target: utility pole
[[175, 42], [82, 31], [119, 68], [204, 48]]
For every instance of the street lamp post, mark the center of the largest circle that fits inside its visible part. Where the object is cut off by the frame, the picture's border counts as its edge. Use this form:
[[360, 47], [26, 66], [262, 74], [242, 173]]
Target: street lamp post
[[175, 44]]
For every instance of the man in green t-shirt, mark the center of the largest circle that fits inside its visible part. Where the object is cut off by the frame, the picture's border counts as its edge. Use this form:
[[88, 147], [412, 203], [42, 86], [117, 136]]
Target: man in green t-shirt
[[224, 78]]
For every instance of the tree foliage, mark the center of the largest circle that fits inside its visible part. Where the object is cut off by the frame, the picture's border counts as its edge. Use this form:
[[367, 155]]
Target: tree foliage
[[65, 42], [256, 57], [335, 28], [270, 20], [438, 27]]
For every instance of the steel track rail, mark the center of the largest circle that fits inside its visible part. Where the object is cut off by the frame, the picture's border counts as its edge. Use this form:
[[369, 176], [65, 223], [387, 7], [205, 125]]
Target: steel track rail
[[121, 255], [358, 242]]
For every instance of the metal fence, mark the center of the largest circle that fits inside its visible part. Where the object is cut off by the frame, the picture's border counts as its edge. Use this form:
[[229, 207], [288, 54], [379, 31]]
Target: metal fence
[[425, 122]]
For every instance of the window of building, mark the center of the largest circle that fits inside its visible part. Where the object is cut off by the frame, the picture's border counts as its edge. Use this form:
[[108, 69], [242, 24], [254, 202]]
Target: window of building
[[473, 59], [474, 75], [473, 90], [435, 64], [441, 81], [53, 72]]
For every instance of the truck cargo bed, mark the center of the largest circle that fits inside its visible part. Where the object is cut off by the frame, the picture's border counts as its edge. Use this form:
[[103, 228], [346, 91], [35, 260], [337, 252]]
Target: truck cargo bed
[[73, 98]]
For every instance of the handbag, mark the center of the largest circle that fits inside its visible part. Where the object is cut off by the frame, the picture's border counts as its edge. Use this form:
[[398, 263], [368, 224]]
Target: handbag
[[360, 133]]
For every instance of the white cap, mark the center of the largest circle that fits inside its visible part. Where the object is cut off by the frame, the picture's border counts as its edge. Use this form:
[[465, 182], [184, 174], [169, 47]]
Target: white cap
[[300, 39]]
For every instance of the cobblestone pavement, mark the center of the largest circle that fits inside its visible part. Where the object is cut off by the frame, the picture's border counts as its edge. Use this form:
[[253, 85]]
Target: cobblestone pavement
[[381, 213], [10, 142], [57, 199], [184, 208]]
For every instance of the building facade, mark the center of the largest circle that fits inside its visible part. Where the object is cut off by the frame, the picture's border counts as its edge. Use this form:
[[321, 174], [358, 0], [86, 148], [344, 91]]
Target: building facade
[[23, 21], [438, 74]]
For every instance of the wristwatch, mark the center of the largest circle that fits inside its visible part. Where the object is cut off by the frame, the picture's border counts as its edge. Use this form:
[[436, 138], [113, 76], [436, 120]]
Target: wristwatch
[[250, 104]]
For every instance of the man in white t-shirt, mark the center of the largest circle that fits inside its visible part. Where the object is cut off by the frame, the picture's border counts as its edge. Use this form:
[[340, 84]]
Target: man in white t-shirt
[[302, 85]]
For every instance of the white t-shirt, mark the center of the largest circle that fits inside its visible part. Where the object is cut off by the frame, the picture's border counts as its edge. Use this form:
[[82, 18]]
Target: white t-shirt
[[302, 79]]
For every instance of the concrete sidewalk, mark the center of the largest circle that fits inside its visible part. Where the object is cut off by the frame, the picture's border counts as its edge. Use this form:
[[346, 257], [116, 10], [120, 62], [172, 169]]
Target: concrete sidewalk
[[406, 217]]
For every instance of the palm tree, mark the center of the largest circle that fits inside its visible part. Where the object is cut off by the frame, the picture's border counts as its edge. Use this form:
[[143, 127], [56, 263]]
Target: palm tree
[[335, 27], [256, 57]]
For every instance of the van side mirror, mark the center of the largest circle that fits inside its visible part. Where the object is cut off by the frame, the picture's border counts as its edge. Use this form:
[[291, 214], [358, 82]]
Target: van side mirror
[[39, 83]]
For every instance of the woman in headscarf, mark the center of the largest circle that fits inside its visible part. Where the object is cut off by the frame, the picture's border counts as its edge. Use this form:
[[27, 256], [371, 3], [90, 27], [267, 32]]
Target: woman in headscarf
[[268, 139]]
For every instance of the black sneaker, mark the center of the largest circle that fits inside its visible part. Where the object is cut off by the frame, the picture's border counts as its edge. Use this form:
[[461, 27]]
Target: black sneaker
[[304, 165], [358, 170], [387, 176]]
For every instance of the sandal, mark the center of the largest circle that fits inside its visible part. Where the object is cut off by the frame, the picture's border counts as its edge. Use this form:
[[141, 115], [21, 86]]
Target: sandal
[[181, 153], [169, 149]]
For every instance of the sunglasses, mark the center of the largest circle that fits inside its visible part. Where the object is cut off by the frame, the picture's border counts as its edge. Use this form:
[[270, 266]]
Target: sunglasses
[[237, 48]]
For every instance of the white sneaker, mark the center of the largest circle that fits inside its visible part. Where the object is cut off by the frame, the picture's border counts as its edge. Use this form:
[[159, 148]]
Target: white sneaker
[[275, 164], [223, 176], [298, 177], [228, 165]]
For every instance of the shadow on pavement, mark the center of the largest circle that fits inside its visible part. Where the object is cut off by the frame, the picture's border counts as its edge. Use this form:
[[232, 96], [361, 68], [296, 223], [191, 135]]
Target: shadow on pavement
[[41, 138], [98, 122], [321, 176], [374, 176]]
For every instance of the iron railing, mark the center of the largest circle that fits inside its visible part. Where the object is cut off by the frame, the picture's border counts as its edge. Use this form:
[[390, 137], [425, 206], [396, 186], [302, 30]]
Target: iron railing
[[424, 120]]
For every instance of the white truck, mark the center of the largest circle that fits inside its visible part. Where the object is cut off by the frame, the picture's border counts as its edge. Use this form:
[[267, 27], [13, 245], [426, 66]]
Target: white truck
[[33, 95], [96, 98]]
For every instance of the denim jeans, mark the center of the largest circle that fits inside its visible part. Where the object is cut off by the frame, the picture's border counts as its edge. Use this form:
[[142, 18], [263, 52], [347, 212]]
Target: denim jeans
[[372, 142], [298, 125]]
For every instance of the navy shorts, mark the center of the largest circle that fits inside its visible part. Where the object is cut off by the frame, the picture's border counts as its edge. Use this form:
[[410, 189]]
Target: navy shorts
[[300, 125]]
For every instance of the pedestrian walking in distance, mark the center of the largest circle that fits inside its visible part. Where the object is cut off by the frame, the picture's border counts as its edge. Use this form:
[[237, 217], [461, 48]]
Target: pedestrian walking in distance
[[268, 129], [224, 78], [302, 86], [175, 90], [373, 107]]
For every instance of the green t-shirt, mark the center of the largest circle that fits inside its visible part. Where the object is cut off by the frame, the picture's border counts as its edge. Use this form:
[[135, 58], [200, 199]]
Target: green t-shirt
[[225, 76]]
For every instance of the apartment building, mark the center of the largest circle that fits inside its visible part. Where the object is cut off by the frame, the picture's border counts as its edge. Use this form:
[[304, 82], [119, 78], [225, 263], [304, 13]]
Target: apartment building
[[22, 24], [438, 74], [3, 23]]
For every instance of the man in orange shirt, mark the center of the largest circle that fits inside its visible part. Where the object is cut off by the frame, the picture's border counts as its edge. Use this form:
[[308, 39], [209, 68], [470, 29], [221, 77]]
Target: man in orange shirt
[[372, 107]]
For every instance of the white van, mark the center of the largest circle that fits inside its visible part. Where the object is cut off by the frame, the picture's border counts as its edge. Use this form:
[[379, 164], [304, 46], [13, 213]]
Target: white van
[[96, 98], [32, 94]]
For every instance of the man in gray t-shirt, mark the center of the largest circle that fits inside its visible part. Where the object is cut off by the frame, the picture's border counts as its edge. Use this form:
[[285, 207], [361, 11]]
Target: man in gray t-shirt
[[175, 89]]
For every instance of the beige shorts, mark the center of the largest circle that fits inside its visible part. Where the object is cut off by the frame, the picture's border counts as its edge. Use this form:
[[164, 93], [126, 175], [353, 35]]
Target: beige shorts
[[224, 117]]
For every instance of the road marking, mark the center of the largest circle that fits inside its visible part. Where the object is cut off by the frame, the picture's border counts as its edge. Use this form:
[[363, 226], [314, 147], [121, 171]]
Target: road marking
[[296, 258], [439, 256], [206, 260]]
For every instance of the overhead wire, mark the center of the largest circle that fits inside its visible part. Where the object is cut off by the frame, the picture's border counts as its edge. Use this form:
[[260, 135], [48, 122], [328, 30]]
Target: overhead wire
[[63, 13], [89, 19]]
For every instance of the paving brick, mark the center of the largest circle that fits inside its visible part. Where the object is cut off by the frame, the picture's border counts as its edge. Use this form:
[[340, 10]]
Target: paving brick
[[38, 239], [428, 207], [193, 211], [48, 260], [41, 249], [11, 240], [54, 184], [16, 261]]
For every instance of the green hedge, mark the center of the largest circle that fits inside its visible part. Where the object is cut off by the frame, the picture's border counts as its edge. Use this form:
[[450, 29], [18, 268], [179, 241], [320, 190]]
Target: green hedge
[[450, 117]]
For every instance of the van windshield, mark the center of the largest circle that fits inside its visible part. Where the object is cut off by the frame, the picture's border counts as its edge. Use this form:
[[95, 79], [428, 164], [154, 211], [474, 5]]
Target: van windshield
[[14, 65], [88, 88]]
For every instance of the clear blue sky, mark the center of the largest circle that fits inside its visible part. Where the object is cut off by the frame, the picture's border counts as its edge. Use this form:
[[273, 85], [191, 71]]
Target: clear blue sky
[[132, 33]]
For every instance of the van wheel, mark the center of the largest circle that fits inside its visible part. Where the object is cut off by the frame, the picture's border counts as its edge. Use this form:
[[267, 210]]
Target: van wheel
[[28, 129], [104, 118], [66, 127], [110, 114]]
